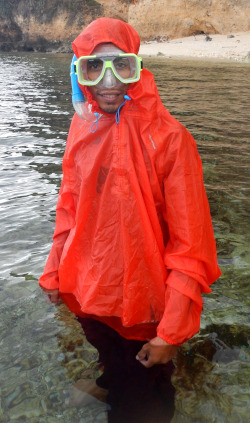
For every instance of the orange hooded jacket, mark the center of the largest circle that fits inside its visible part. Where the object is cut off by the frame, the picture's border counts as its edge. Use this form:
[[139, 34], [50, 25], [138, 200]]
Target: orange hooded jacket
[[133, 243]]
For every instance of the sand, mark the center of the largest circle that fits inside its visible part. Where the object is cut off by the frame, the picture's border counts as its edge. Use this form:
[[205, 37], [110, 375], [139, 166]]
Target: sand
[[235, 46]]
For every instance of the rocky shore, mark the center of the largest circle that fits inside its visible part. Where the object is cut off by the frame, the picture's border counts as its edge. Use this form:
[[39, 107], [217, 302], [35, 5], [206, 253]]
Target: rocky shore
[[185, 28], [235, 47]]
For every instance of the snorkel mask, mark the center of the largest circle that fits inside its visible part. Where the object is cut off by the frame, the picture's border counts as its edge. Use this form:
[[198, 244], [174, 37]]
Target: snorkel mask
[[107, 67], [108, 70]]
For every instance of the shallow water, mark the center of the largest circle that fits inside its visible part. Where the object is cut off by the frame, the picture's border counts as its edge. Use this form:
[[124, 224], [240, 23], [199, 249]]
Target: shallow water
[[42, 347]]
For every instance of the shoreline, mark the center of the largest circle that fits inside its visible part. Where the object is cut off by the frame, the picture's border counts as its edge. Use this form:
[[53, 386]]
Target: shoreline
[[230, 47]]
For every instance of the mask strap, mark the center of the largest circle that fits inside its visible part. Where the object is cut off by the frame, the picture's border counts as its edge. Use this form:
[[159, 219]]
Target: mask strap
[[117, 115], [94, 125]]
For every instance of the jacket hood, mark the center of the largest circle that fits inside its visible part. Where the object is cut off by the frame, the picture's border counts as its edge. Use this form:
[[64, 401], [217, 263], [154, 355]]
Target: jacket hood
[[106, 30]]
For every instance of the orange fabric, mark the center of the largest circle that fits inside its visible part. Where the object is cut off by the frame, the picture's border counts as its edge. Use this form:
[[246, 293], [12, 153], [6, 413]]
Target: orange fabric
[[132, 212], [181, 319], [139, 332]]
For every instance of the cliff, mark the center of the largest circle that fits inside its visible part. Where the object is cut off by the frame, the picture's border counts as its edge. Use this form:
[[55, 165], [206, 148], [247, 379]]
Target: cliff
[[49, 25]]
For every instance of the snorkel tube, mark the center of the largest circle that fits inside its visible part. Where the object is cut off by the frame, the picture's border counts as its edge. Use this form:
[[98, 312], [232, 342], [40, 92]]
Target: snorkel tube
[[77, 95], [82, 108]]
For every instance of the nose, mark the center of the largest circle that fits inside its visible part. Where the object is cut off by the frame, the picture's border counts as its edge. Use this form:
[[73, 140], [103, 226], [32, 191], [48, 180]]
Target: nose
[[109, 80]]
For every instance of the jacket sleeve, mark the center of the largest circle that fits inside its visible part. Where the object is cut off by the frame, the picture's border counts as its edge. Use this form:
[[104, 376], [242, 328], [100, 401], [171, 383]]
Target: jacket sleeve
[[190, 254], [181, 318]]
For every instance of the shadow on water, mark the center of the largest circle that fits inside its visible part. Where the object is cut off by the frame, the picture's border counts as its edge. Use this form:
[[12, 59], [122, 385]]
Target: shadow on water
[[43, 348]]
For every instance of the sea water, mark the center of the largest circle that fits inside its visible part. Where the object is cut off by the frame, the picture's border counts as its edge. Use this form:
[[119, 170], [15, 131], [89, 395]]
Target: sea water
[[43, 350]]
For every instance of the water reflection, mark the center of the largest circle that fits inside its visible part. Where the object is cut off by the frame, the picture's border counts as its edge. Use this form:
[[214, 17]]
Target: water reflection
[[43, 349]]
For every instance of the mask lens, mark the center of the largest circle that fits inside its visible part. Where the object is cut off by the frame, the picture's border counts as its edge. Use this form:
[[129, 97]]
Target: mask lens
[[90, 69], [94, 69], [125, 67]]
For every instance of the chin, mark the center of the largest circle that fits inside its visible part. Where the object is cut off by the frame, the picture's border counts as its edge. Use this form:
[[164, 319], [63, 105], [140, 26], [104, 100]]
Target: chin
[[110, 109]]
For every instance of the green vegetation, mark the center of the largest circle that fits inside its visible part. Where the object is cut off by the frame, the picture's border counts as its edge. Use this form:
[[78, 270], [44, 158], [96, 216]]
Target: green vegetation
[[48, 7], [14, 32], [6, 7]]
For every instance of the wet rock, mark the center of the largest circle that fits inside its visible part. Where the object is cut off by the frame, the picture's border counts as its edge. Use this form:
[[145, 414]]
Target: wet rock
[[28, 363], [6, 46], [27, 409]]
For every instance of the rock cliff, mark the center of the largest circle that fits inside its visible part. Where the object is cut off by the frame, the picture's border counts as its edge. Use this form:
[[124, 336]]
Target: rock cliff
[[47, 25]]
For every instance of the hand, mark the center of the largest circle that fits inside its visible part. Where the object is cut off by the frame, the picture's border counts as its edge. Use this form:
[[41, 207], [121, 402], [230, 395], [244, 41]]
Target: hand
[[51, 295], [156, 351]]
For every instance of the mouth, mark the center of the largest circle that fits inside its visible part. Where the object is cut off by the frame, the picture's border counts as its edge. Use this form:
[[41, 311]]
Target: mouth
[[109, 96]]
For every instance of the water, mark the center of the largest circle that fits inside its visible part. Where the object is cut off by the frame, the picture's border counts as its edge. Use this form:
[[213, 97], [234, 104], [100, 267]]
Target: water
[[42, 347]]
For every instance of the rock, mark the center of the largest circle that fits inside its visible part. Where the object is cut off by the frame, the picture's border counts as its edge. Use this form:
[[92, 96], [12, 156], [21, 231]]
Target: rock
[[51, 25], [208, 38], [230, 36], [223, 17], [27, 409]]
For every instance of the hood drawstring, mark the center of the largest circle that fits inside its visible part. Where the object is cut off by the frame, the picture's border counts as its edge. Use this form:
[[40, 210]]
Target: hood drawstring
[[94, 125], [117, 116]]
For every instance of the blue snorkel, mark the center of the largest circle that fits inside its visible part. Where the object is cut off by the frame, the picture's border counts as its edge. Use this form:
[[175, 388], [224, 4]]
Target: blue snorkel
[[82, 108], [78, 98]]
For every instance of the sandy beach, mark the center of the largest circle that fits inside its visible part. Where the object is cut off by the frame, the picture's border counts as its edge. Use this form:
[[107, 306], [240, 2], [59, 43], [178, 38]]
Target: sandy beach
[[235, 46]]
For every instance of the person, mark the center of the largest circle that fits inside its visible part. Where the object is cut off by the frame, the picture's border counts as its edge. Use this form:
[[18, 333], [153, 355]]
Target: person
[[133, 246]]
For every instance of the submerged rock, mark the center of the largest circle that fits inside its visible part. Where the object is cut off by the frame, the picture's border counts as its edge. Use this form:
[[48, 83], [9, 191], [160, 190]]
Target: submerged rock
[[28, 408]]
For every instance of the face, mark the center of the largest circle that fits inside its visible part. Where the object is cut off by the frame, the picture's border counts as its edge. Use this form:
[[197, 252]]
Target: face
[[109, 93]]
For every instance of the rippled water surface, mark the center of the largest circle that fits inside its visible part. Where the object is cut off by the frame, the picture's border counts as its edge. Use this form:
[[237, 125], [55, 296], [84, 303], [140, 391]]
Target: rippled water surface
[[42, 348]]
